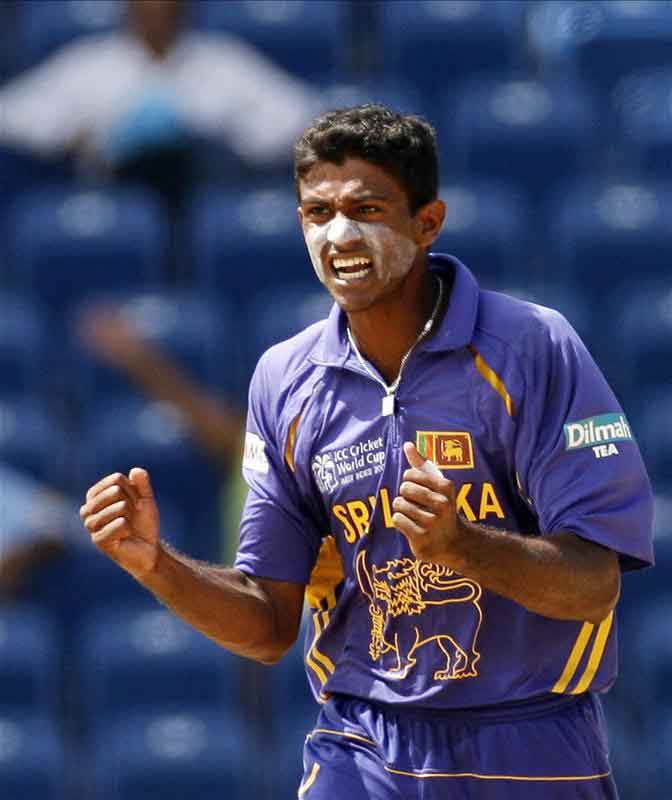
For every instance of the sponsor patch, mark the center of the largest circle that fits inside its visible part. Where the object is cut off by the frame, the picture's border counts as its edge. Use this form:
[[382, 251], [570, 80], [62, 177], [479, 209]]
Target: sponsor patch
[[600, 430], [254, 455], [447, 449]]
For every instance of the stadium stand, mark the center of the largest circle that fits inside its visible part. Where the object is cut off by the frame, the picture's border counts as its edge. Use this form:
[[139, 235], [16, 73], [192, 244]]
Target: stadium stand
[[142, 658], [44, 27], [196, 330], [486, 228], [642, 106], [193, 753], [600, 41], [30, 437], [125, 432], [30, 655], [65, 243], [23, 345], [306, 38], [33, 757], [457, 39], [521, 131], [245, 238], [601, 230]]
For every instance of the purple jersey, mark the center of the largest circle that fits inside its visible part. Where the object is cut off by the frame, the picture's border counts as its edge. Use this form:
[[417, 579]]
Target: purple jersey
[[507, 402]]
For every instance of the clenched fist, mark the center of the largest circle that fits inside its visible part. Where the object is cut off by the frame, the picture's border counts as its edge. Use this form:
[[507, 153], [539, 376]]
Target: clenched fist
[[425, 510], [122, 517]]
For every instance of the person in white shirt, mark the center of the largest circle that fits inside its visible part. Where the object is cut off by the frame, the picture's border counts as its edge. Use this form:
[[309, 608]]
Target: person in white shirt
[[151, 86]]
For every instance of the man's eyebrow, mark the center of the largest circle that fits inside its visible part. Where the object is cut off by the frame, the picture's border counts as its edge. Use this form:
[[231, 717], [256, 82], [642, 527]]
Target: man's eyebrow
[[356, 197]]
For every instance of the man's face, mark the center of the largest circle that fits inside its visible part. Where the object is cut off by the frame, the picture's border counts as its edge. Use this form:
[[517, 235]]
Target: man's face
[[361, 237], [156, 20]]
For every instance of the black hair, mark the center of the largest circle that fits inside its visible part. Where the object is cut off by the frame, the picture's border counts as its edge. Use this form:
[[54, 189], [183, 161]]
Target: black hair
[[403, 145]]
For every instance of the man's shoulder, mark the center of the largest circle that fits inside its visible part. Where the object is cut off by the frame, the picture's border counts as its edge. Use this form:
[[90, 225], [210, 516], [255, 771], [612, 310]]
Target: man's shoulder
[[288, 361], [521, 325], [286, 376]]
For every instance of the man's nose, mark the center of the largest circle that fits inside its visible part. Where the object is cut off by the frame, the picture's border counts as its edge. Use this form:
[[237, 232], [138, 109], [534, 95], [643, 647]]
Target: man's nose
[[343, 231]]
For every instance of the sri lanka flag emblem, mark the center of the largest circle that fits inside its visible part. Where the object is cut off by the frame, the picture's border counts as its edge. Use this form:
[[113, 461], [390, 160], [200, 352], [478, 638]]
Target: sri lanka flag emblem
[[447, 449]]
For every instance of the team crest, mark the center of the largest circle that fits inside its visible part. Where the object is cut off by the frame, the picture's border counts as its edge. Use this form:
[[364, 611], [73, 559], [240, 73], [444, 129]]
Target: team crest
[[447, 449]]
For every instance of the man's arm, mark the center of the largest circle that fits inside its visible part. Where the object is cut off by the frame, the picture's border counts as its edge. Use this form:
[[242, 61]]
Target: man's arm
[[214, 423], [560, 576], [251, 617]]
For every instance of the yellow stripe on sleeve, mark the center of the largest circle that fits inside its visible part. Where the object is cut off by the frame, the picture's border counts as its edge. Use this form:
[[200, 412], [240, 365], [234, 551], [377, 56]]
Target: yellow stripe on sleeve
[[596, 655], [574, 657], [291, 439], [310, 780], [493, 379]]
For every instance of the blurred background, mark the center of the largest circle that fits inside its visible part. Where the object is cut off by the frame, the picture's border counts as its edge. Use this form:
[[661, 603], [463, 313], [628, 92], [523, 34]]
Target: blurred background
[[149, 252]]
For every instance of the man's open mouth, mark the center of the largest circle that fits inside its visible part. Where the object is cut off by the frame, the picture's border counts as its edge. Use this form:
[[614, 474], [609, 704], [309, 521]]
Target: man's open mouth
[[352, 268]]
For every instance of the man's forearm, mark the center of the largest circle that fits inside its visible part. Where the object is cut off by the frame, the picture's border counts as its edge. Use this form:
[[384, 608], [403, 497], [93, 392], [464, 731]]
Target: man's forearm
[[222, 603], [559, 576]]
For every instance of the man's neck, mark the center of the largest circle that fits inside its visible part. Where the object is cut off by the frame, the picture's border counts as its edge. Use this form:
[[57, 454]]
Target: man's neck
[[386, 332]]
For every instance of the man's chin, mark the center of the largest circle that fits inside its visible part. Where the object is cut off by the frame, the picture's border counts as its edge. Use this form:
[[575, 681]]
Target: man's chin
[[349, 304]]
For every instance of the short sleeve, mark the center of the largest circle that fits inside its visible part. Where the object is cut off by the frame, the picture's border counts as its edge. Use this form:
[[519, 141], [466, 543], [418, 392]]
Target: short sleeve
[[576, 457], [278, 537]]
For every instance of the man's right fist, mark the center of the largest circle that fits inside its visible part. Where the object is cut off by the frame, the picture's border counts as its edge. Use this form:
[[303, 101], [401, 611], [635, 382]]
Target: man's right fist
[[122, 517]]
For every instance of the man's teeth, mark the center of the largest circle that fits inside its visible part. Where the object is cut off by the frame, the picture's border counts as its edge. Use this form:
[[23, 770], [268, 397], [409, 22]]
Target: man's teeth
[[353, 276], [344, 267], [345, 263]]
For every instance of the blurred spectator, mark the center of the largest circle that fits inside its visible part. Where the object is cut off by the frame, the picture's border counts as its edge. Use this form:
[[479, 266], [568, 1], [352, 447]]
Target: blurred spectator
[[35, 525], [216, 424], [135, 102]]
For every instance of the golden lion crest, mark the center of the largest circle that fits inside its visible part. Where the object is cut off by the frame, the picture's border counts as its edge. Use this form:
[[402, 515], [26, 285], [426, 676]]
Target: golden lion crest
[[407, 588]]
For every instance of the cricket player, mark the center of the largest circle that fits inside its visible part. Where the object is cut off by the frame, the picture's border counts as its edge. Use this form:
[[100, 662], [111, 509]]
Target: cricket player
[[446, 476]]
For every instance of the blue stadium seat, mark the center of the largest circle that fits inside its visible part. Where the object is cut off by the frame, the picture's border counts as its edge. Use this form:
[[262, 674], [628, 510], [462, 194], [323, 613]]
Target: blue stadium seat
[[599, 42], [307, 38], [21, 170], [64, 244], [521, 131], [33, 758], [642, 105], [140, 658], [32, 438], [645, 322], [653, 433], [121, 433], [397, 94], [191, 753], [7, 36], [280, 313], [434, 43], [198, 331], [44, 27], [602, 232], [485, 228], [23, 345], [29, 661], [246, 239]]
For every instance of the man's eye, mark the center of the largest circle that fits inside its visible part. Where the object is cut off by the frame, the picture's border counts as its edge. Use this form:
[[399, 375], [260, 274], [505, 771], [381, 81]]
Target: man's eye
[[368, 209], [317, 211]]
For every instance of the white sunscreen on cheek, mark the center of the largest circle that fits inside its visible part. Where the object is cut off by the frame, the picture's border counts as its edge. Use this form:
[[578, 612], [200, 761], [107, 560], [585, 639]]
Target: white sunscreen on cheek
[[316, 238]]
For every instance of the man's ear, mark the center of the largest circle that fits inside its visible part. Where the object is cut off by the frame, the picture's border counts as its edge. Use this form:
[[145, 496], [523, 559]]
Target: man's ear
[[430, 221], [299, 214]]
